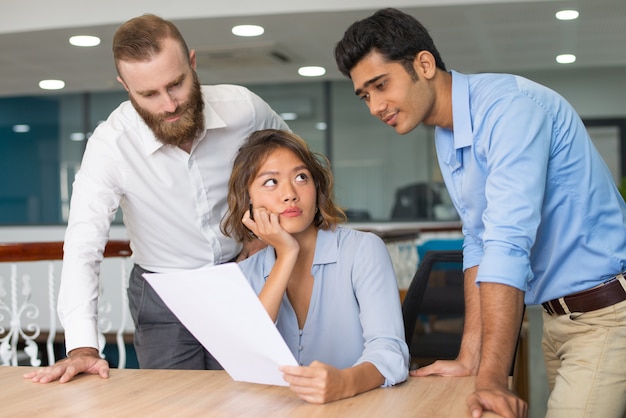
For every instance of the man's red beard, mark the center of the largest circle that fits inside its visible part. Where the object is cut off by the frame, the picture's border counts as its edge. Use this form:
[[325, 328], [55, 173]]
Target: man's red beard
[[185, 129]]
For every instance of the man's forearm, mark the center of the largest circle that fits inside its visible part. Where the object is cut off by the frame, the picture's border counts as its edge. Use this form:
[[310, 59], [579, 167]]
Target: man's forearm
[[501, 308], [469, 353]]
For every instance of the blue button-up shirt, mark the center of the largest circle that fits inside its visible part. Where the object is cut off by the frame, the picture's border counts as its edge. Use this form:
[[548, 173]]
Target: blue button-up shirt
[[354, 314], [539, 206]]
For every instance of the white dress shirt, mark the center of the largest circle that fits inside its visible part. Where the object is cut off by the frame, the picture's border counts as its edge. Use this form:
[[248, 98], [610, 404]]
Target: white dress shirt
[[172, 201]]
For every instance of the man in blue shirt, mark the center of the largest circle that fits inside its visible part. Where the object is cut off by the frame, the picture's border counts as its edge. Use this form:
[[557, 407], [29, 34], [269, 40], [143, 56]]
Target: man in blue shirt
[[542, 218]]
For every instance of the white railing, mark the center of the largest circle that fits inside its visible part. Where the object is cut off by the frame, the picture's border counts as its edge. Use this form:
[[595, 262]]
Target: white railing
[[24, 327], [29, 281], [404, 257]]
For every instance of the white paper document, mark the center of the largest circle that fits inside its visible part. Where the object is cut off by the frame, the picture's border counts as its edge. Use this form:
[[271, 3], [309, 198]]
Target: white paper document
[[219, 307]]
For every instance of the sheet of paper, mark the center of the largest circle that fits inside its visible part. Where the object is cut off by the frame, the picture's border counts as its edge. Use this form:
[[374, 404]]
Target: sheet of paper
[[219, 307]]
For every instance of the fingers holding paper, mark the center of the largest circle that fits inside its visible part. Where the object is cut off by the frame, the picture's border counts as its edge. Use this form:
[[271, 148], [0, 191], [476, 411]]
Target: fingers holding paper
[[321, 383], [317, 383]]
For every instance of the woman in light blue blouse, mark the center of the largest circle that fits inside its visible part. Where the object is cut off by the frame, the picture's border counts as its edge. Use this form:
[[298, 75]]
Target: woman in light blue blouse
[[331, 291]]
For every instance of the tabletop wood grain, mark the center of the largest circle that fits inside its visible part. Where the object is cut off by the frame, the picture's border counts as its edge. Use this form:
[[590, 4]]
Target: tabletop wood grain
[[198, 393]]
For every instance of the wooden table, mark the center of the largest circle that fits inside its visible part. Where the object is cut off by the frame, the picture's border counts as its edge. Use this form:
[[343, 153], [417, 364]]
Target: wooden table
[[174, 393]]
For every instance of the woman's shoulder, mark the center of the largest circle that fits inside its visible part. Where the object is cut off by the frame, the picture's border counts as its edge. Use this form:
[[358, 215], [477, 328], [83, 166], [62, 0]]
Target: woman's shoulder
[[350, 233], [348, 237]]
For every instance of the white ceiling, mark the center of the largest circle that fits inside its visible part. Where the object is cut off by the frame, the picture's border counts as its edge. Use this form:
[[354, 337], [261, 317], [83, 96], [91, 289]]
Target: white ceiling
[[502, 37]]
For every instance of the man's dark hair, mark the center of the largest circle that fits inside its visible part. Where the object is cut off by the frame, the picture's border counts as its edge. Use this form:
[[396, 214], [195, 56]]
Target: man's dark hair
[[394, 34]]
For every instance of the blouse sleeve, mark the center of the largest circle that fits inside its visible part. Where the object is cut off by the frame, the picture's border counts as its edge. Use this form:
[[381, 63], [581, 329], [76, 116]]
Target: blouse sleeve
[[376, 290]]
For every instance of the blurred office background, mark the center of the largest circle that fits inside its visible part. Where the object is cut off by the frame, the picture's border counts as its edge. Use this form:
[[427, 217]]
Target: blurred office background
[[380, 176]]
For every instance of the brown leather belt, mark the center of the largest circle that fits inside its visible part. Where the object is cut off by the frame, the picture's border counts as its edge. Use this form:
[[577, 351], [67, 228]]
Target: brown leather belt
[[599, 297]]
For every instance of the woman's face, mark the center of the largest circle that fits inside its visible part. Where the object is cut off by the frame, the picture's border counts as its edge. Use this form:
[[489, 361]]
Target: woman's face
[[284, 186]]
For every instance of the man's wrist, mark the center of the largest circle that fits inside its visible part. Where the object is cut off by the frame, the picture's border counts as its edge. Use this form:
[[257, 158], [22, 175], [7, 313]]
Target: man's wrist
[[470, 359], [84, 351], [490, 379]]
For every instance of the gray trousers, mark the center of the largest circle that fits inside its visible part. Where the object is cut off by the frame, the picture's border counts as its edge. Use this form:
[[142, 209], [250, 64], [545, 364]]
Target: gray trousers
[[161, 341]]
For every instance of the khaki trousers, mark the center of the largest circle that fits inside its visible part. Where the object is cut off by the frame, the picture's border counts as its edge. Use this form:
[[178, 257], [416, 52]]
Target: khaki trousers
[[585, 355]]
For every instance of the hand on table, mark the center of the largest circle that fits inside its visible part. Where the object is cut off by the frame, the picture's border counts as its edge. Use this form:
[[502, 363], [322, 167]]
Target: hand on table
[[487, 397], [80, 360], [497, 399], [443, 368], [317, 383]]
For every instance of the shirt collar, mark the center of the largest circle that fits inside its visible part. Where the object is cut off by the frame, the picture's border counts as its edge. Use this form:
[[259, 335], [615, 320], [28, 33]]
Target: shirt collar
[[211, 121], [326, 251], [461, 110], [326, 247]]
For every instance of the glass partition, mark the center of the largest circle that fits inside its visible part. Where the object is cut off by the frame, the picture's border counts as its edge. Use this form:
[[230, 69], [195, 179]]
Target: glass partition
[[380, 176]]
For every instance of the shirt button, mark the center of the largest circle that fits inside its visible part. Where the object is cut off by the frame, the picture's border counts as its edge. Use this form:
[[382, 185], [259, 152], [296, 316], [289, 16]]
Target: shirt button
[[300, 348]]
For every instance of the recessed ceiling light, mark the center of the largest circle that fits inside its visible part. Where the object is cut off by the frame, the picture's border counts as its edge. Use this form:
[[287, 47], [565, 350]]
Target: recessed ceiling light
[[248, 30], [84, 40], [77, 136], [567, 14], [311, 71], [51, 84], [566, 58], [321, 126], [289, 115], [21, 129]]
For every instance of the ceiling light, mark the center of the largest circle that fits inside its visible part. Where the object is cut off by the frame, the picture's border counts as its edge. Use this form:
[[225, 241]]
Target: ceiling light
[[566, 58], [289, 115], [311, 71], [51, 84], [85, 40], [567, 14], [77, 136], [321, 126], [21, 129], [248, 30]]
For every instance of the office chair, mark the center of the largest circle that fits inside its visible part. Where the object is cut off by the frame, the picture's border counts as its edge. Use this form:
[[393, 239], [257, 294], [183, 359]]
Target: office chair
[[436, 289], [442, 299]]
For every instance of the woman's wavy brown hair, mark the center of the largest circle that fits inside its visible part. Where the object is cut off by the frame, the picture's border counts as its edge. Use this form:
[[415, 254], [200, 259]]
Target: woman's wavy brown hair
[[248, 161]]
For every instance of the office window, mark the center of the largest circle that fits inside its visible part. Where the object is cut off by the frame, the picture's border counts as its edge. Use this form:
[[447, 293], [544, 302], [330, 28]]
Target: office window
[[379, 175], [372, 164], [42, 139], [29, 163]]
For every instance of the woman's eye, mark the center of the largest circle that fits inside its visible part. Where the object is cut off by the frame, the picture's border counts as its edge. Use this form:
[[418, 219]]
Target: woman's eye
[[302, 177], [270, 182]]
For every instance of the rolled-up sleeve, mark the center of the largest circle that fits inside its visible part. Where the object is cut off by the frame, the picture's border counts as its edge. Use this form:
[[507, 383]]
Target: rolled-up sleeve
[[376, 290]]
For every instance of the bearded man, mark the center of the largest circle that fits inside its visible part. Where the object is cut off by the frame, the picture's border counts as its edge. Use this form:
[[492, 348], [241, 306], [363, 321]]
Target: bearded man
[[164, 157]]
